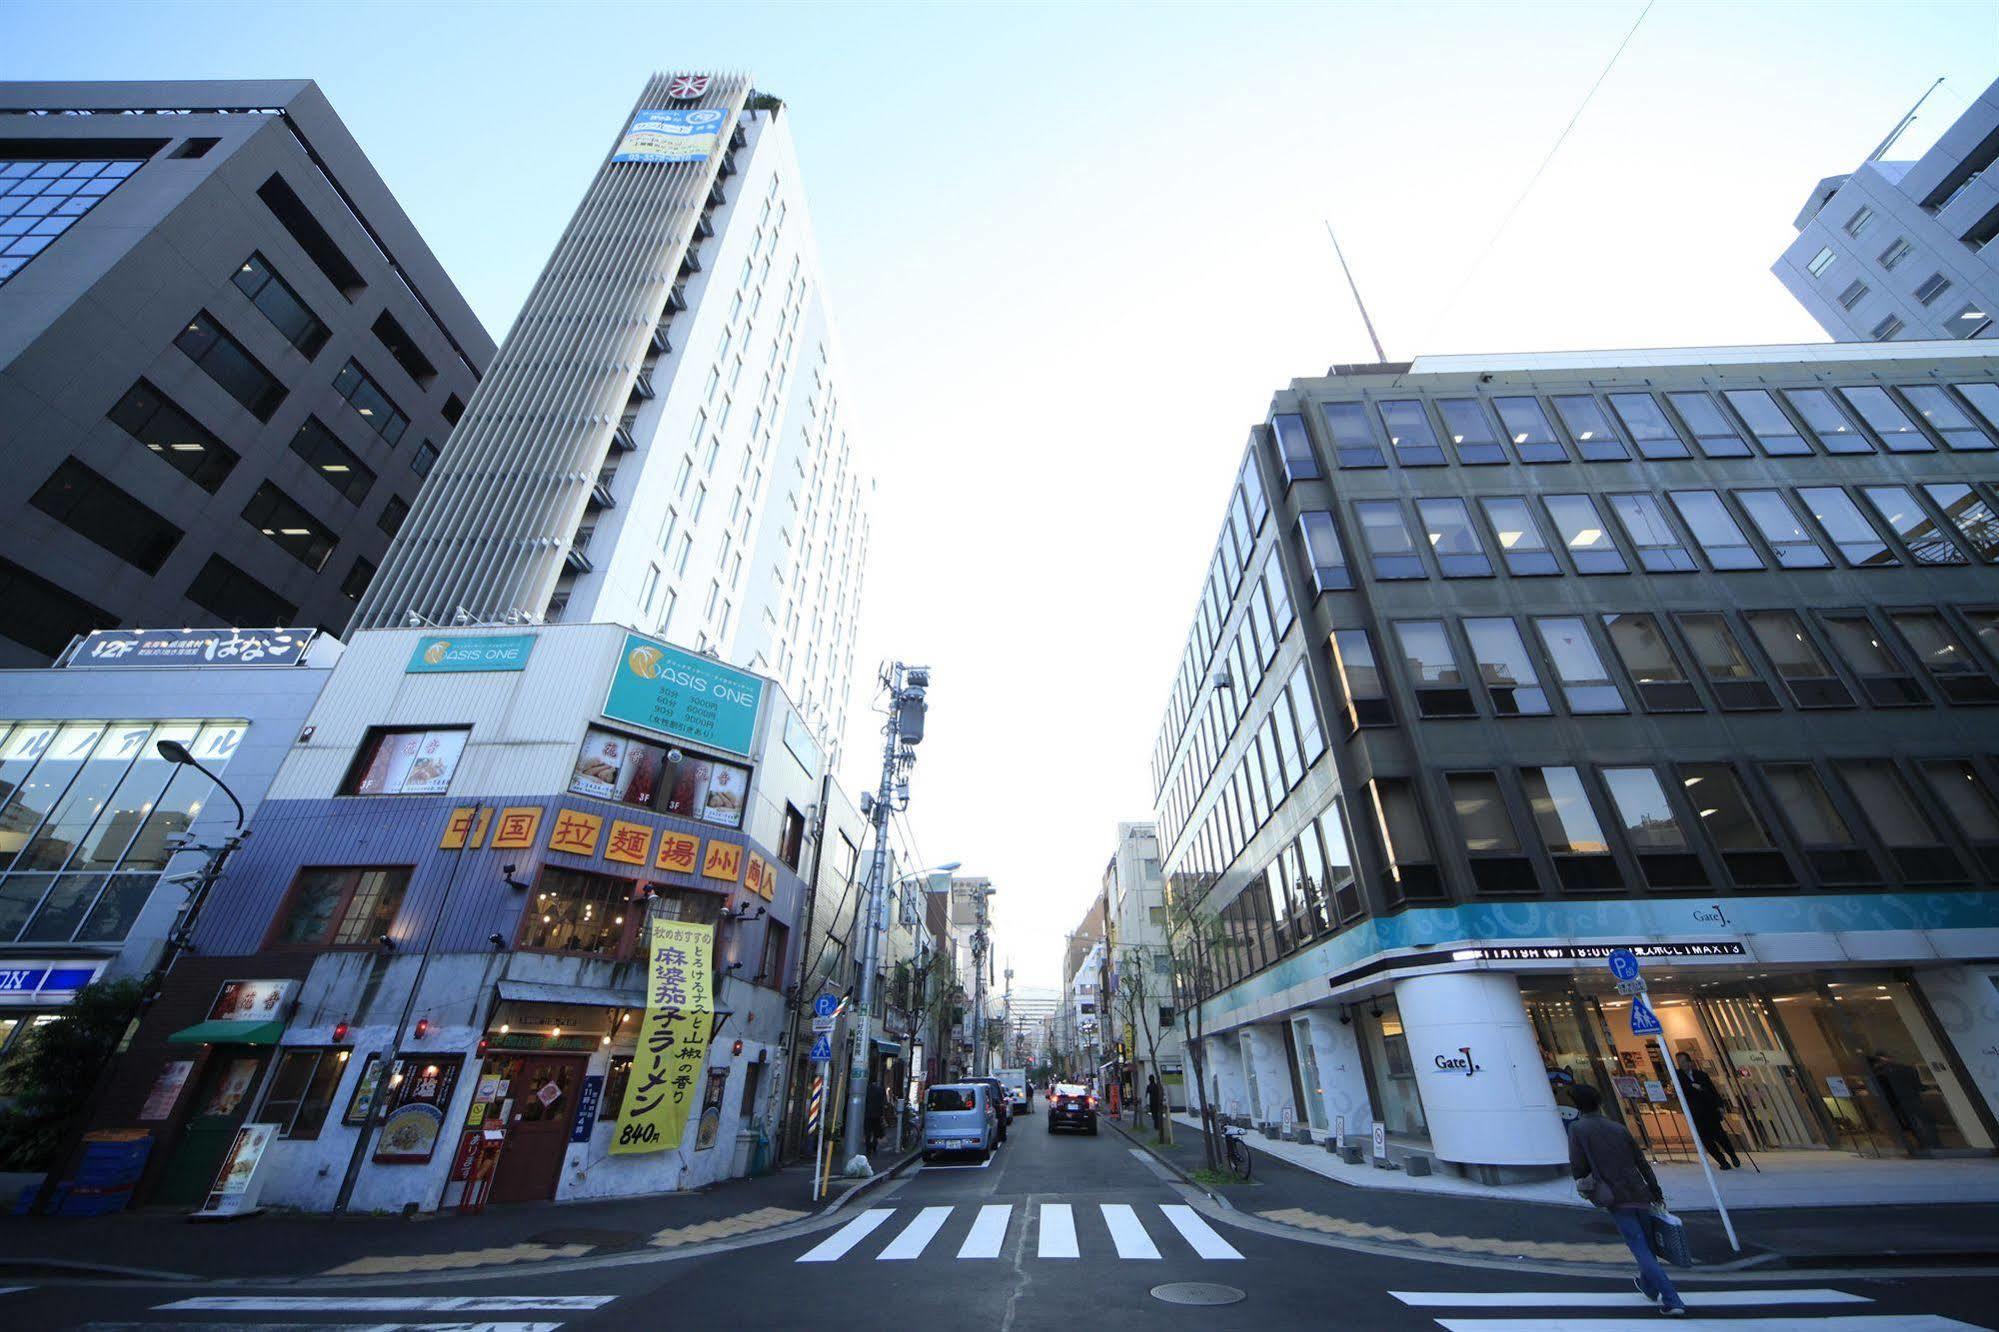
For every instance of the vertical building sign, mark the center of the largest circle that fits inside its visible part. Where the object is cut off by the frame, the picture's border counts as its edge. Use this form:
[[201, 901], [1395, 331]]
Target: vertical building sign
[[673, 1039]]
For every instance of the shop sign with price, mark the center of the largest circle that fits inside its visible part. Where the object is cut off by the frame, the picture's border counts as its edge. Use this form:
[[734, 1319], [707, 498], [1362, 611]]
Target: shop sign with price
[[673, 1039]]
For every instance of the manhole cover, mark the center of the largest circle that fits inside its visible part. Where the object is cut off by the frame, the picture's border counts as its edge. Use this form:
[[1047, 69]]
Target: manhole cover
[[1196, 1292]]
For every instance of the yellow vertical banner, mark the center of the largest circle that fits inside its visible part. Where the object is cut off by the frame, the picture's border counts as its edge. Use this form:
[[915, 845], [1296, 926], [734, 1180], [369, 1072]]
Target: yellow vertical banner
[[673, 1039]]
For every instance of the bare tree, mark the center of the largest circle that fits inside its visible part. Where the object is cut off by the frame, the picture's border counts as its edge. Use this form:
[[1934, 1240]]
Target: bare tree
[[1137, 999], [1197, 940]]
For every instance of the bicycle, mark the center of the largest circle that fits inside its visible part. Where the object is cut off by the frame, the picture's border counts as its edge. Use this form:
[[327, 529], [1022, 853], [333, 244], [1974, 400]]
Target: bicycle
[[1236, 1152]]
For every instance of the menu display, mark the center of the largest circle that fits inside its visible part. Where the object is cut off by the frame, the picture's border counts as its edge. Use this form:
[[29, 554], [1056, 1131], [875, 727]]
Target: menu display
[[411, 763], [637, 772]]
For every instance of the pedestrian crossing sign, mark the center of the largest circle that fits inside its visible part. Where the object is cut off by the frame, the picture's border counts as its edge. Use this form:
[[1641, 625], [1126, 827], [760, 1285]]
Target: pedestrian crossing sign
[[822, 1050], [1644, 1022]]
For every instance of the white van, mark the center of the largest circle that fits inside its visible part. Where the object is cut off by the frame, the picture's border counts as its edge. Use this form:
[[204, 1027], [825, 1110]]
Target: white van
[[1017, 1094]]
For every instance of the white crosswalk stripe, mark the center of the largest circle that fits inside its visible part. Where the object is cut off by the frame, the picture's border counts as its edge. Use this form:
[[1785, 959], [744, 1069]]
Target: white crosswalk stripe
[[1198, 1232], [384, 1303], [1650, 1323], [1126, 1232], [988, 1233], [1785, 1303], [1575, 1299], [1060, 1231], [909, 1244], [181, 1326], [847, 1236]]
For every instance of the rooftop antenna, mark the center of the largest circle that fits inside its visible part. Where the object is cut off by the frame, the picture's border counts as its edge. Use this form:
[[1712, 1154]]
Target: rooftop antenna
[[1352, 286], [1902, 124]]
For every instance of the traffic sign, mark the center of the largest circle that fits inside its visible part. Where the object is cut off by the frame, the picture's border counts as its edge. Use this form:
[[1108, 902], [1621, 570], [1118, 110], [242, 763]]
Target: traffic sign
[[821, 1025], [1644, 1022], [826, 1005], [1623, 964], [1636, 985], [822, 1051]]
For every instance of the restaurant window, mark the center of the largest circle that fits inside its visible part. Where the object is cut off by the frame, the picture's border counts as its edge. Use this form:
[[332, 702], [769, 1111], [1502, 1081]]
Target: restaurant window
[[1645, 527], [1859, 544], [290, 528], [277, 302], [1412, 873], [1653, 830], [1944, 416], [1521, 544], [1714, 434], [1773, 430], [1354, 444], [340, 908], [1969, 514], [1596, 439], [1360, 680], [1835, 430], [1567, 823], [1830, 848], [1648, 425], [1530, 430], [1886, 802], [1651, 664], [1720, 536], [302, 1089], [610, 766], [174, 437], [1733, 825], [1410, 435], [1434, 674], [1586, 685], [1890, 422], [1471, 431], [1883, 675], [1294, 447], [1964, 794], [241, 375], [1453, 540], [393, 761], [1311, 735], [1920, 534], [1800, 665], [1959, 675], [1582, 531], [1386, 536], [574, 912], [1505, 668], [1723, 663], [1778, 524], [1322, 548], [1485, 828]]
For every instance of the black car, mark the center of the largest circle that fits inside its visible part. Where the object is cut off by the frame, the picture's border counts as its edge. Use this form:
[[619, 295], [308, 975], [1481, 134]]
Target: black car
[[1070, 1105], [1000, 1100]]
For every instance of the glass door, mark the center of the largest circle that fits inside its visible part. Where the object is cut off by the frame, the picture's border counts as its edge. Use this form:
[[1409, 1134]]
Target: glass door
[[1769, 1088], [1312, 1090]]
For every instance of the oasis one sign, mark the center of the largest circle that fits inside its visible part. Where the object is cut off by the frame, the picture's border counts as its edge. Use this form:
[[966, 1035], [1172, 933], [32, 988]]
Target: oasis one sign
[[677, 693]]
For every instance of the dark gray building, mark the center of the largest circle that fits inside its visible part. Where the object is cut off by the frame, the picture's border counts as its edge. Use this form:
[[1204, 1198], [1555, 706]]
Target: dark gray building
[[1904, 249], [227, 359], [1504, 662]]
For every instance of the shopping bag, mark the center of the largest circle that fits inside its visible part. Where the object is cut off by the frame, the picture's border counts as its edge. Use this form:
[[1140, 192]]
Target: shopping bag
[[1669, 1239]]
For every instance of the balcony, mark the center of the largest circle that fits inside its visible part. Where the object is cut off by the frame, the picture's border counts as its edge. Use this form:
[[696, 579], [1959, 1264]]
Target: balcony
[[623, 439], [661, 344], [576, 561], [642, 387], [601, 497]]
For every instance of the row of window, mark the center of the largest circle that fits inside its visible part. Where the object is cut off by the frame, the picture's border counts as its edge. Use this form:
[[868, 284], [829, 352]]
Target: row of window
[[40, 199], [1907, 418], [1969, 321]]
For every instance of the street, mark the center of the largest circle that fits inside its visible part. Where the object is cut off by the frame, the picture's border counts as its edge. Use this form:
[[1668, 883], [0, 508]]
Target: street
[[1063, 1230]]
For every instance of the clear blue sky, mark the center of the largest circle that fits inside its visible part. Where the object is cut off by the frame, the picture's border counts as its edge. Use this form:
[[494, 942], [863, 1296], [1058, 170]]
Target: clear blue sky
[[1074, 250]]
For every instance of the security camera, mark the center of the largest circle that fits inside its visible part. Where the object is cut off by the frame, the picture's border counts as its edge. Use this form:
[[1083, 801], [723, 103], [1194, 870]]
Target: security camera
[[1374, 1011], [497, 939], [675, 756]]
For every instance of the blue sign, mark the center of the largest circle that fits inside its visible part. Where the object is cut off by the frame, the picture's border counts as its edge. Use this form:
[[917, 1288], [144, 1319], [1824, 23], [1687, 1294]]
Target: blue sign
[[1623, 964], [822, 1050], [586, 1108], [664, 689], [825, 1005], [1644, 1022], [670, 136], [506, 652]]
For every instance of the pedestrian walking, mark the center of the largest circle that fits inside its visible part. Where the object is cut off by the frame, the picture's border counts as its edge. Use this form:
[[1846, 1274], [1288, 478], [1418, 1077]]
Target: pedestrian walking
[[1902, 1088], [1155, 1103], [1705, 1104], [873, 1110], [1613, 1174]]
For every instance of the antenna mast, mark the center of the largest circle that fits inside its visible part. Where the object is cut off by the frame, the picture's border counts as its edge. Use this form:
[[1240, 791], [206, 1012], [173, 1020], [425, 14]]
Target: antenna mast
[[1902, 124], [1379, 354]]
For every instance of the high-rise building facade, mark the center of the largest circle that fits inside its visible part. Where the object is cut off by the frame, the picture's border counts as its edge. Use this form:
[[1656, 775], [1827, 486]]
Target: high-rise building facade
[[227, 360], [1506, 661], [1904, 249], [664, 442]]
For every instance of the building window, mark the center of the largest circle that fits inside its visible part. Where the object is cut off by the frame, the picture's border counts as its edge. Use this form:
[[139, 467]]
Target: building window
[[1720, 538], [390, 520], [240, 374], [1886, 330], [1586, 684], [297, 219], [1354, 444], [1714, 434], [1281, 612], [1652, 828], [236, 598], [1859, 544], [1582, 531], [1412, 868], [1453, 540], [1889, 806], [1946, 418], [1968, 800], [1820, 262], [1898, 250], [1595, 438], [1880, 411], [1829, 845], [357, 579], [1970, 514], [1505, 668], [365, 396], [176, 438], [1800, 665], [1527, 425], [1733, 825], [1410, 435], [1931, 287], [1959, 676], [333, 461], [1471, 432], [424, 458], [340, 908], [770, 969], [397, 342], [1294, 448], [1771, 514], [1434, 674], [1836, 433], [616, 767], [1649, 428], [1884, 677], [1719, 654], [1650, 663], [1570, 831], [281, 305], [1311, 735], [1360, 680], [1521, 544], [1855, 293], [302, 1090], [1858, 222], [293, 530], [791, 843], [1773, 430], [1386, 537], [1920, 533], [41, 199], [1645, 527], [1485, 830], [101, 513], [1322, 548], [1971, 320], [574, 912], [405, 762]]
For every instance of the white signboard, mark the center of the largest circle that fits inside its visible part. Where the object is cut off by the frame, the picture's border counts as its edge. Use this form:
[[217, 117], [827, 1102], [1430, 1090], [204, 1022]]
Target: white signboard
[[240, 1179], [1380, 1141]]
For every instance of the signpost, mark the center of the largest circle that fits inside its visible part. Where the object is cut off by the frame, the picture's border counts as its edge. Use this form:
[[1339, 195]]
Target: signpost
[[1623, 965], [825, 1013]]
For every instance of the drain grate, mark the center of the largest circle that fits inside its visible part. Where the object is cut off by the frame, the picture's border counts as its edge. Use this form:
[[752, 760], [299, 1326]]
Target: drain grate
[[1196, 1292]]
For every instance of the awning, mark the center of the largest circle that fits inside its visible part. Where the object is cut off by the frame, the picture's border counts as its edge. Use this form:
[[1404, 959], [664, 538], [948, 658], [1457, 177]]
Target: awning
[[883, 1045], [581, 996], [229, 1033]]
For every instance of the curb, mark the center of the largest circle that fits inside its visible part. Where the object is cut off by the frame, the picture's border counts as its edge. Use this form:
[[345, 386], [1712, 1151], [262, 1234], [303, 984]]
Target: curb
[[1170, 1164], [862, 1186]]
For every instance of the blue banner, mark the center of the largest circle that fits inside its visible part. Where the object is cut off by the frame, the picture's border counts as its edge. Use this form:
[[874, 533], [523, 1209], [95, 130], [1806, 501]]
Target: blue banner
[[664, 689], [507, 652], [671, 136], [586, 1108]]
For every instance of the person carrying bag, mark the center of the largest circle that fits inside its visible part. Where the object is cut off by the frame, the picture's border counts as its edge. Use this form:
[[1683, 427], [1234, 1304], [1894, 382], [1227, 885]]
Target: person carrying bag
[[1611, 1173]]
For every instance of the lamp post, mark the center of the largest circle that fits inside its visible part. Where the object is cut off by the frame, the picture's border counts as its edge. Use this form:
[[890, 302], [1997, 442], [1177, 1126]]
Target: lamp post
[[176, 753]]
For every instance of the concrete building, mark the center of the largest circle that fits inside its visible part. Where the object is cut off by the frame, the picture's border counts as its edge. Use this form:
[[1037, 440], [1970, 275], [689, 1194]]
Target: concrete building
[[1903, 250], [1137, 982], [439, 927], [665, 441], [1504, 661], [1076, 1018], [227, 360]]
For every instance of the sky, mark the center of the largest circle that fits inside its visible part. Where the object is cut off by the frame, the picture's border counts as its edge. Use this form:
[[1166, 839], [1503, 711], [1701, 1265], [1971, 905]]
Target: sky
[[1072, 251]]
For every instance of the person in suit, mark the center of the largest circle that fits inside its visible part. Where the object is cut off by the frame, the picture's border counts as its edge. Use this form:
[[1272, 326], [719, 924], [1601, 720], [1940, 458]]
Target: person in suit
[[1705, 1104]]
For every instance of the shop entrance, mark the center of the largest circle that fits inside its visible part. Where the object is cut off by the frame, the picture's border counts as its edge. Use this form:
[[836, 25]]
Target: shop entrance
[[537, 1096], [221, 1103]]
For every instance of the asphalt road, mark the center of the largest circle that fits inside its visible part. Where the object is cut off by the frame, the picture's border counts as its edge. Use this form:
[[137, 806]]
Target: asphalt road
[[1061, 1231]]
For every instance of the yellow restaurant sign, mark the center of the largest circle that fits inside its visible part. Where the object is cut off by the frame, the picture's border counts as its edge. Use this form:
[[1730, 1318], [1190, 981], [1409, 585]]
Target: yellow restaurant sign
[[673, 1039]]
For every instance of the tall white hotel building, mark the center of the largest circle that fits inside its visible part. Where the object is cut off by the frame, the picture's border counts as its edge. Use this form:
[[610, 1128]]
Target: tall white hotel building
[[662, 441]]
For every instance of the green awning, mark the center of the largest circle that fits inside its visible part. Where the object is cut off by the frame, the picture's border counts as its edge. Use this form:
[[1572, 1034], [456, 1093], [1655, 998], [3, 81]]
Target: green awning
[[229, 1033]]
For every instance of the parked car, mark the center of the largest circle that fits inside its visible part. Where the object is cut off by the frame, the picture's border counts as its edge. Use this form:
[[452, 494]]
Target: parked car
[[1002, 1103], [960, 1117], [1072, 1105]]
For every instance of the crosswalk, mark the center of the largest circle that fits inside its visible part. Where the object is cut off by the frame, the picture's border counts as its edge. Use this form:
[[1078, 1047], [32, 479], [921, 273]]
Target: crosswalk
[[1052, 1230], [1775, 1309]]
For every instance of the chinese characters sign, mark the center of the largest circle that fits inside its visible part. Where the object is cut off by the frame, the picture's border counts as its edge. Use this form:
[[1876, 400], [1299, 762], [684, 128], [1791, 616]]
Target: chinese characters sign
[[575, 832], [670, 136], [724, 861], [631, 843], [664, 689], [678, 852], [673, 1039], [192, 647]]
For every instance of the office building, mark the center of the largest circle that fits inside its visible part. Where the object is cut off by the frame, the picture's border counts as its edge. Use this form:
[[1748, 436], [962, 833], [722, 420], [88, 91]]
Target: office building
[[1903, 250], [664, 441], [1137, 976], [227, 360], [1505, 661]]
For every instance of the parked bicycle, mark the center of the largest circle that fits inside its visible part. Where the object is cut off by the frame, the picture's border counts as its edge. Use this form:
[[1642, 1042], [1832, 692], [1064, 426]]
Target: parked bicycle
[[1236, 1151]]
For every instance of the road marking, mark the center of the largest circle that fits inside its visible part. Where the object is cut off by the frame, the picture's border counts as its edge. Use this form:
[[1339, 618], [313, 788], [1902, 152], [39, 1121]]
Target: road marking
[[386, 1303], [1126, 1232], [1865, 1323], [988, 1232], [1058, 1231], [847, 1236], [1198, 1232], [180, 1326], [1572, 1299], [909, 1244]]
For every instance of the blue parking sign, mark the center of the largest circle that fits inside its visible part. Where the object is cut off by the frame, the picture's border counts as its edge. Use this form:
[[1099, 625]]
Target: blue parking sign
[[825, 1005], [1623, 964]]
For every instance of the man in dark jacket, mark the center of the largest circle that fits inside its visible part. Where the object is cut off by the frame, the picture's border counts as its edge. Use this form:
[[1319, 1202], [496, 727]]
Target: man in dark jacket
[[1704, 1103], [872, 1113], [1155, 1105], [1622, 1183]]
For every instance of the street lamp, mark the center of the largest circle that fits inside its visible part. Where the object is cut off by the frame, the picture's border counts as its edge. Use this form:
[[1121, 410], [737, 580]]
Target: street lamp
[[173, 751]]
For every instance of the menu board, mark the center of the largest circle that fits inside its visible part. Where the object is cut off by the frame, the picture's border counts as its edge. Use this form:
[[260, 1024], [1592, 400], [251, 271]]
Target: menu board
[[412, 763], [416, 1107], [637, 772]]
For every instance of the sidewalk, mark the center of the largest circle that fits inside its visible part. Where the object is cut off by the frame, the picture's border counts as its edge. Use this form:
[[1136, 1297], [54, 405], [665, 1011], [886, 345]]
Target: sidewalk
[[1311, 1189]]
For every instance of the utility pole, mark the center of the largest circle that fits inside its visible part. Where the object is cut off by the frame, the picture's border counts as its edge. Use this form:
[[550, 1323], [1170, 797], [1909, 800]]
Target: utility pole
[[905, 686], [981, 950], [1006, 1031]]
